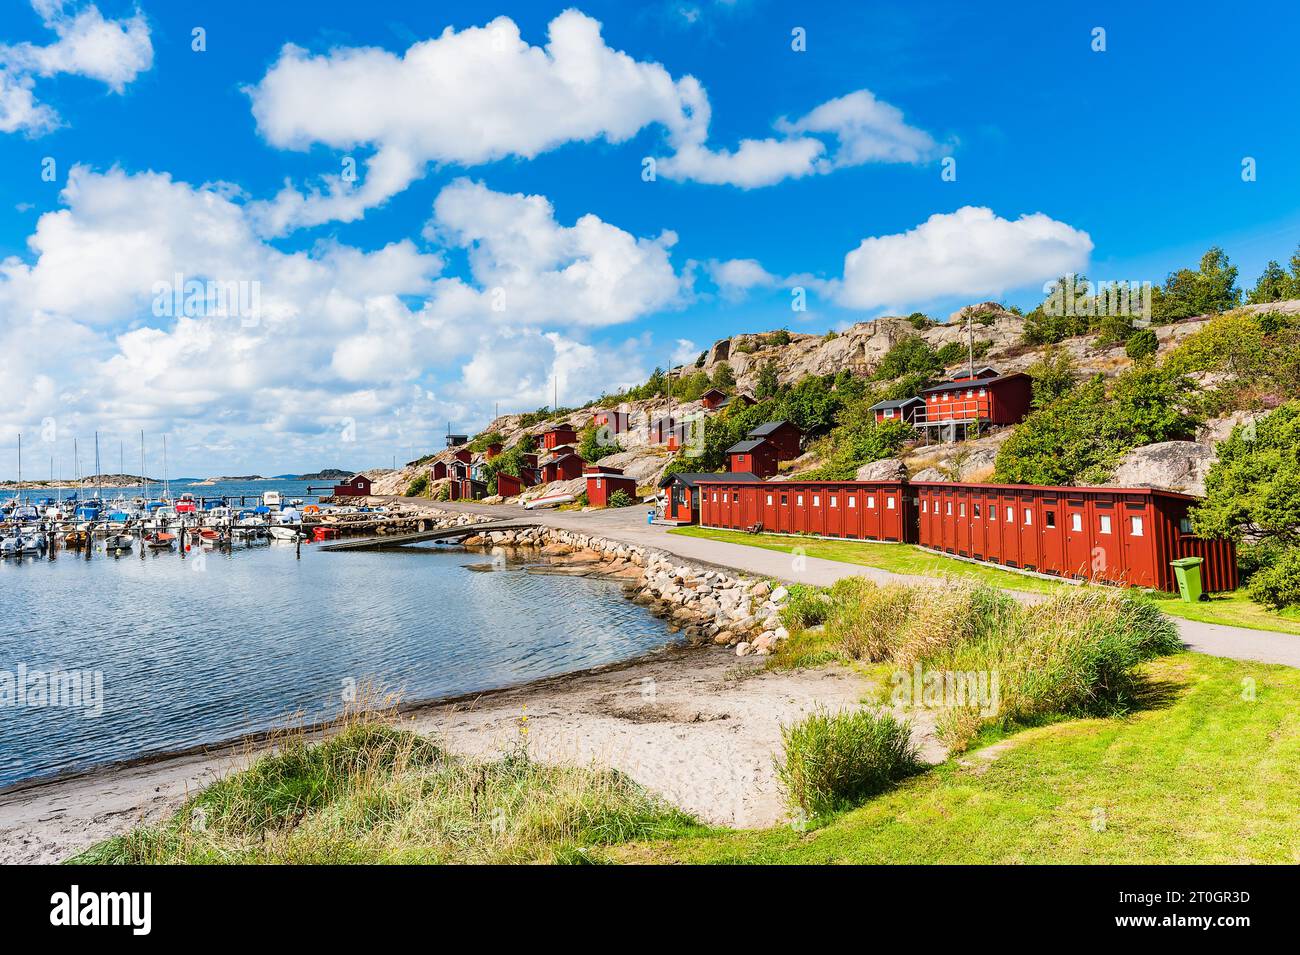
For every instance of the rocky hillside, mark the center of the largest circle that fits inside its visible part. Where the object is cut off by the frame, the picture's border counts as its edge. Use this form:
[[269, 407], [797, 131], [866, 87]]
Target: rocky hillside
[[1177, 465]]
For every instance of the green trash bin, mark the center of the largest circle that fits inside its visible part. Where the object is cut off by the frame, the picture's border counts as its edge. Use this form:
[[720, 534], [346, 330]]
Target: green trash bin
[[1188, 572]]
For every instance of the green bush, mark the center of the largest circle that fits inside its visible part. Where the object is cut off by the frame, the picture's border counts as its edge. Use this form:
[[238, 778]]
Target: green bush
[[418, 487], [1278, 584], [833, 760], [621, 498], [1141, 343], [806, 607]]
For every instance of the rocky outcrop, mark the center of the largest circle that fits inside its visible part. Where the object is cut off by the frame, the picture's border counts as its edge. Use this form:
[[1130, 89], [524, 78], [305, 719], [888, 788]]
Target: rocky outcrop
[[890, 469], [707, 605], [1169, 465], [930, 474]]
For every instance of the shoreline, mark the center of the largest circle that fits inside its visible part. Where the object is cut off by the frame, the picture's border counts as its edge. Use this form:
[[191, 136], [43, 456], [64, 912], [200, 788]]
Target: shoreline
[[696, 725]]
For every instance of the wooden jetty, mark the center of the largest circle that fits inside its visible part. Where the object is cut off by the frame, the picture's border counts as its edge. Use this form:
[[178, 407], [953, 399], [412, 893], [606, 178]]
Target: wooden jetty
[[419, 537]]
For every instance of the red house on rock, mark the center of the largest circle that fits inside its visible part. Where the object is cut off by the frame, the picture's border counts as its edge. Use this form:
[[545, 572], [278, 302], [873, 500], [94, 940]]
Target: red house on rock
[[558, 435], [784, 437], [757, 457], [604, 481], [970, 403], [356, 486], [904, 410], [566, 467], [616, 421]]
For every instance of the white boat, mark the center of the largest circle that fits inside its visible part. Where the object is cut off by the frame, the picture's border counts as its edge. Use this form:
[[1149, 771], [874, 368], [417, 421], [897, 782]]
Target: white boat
[[283, 532], [551, 500], [118, 542]]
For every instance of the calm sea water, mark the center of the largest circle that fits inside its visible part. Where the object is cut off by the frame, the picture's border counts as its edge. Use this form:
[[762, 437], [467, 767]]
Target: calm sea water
[[195, 652]]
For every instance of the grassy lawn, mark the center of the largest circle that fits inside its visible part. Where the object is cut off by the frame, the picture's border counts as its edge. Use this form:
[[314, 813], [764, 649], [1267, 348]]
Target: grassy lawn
[[898, 558], [1199, 774], [1233, 610]]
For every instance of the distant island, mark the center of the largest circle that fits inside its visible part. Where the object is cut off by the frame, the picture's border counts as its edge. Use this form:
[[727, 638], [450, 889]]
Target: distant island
[[95, 480], [328, 474]]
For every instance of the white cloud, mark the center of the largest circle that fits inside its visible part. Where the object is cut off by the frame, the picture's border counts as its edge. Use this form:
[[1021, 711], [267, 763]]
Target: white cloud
[[483, 94], [969, 252], [343, 334], [113, 52], [684, 350], [736, 277]]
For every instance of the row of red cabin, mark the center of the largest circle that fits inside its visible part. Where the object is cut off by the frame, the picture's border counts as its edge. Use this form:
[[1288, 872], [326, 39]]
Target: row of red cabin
[[1116, 535]]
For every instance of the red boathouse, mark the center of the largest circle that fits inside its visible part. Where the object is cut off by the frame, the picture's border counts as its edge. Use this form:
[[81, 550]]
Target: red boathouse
[[356, 486], [1114, 535], [557, 436], [604, 481], [755, 456]]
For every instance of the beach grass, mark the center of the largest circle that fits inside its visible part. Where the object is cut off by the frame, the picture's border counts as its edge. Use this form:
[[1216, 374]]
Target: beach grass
[[1234, 609], [1204, 769], [374, 792]]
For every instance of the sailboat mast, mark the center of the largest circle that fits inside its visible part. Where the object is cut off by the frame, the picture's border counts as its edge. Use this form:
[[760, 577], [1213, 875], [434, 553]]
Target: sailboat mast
[[20, 465], [167, 489], [144, 481]]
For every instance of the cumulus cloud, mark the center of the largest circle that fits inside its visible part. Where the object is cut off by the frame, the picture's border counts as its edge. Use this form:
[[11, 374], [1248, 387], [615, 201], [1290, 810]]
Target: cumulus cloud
[[969, 252], [484, 93], [113, 52], [735, 278], [379, 337]]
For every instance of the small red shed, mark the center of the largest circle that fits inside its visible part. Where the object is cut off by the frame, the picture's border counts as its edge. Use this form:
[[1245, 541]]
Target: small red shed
[[566, 467], [616, 421], [784, 436], [508, 485], [356, 486], [492, 450], [439, 470], [684, 496], [557, 436], [602, 482], [713, 399], [756, 457]]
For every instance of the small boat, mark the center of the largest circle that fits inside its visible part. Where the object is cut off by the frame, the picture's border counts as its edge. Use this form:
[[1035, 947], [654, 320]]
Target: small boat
[[284, 533], [551, 500], [160, 541], [118, 542]]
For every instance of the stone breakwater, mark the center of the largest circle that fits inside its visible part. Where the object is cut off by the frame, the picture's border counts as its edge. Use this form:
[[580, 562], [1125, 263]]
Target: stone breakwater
[[397, 521], [704, 604]]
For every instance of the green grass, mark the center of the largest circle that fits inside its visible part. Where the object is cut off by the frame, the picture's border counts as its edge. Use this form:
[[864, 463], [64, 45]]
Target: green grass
[[1198, 774], [378, 793], [897, 558], [1233, 609]]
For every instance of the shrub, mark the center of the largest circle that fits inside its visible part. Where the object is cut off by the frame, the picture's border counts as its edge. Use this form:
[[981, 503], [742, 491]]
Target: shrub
[[1278, 584], [621, 498], [418, 487], [806, 606], [833, 760], [1141, 343], [779, 337]]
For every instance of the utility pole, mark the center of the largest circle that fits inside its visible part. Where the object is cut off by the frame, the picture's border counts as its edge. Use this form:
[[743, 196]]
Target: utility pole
[[970, 342]]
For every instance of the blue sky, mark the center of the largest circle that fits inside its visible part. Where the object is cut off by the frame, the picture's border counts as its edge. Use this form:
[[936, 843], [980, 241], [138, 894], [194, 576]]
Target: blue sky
[[379, 322]]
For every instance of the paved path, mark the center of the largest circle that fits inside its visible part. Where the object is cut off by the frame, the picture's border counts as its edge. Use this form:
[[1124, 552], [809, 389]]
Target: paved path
[[629, 524]]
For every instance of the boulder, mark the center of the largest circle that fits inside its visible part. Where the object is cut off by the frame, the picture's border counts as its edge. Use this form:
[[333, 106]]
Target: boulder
[[929, 474], [1169, 465], [890, 469]]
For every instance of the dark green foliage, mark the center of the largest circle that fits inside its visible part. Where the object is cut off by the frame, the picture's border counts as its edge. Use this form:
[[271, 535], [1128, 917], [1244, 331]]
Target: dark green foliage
[[621, 498], [1211, 288], [1053, 375], [418, 487], [952, 352], [723, 377], [920, 320], [596, 443], [778, 338], [1141, 344], [1278, 585], [768, 382], [910, 356]]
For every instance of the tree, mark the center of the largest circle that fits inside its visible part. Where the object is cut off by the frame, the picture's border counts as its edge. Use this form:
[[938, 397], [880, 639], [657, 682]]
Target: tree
[[1141, 344], [1053, 375], [723, 377], [768, 382], [596, 443], [1149, 404], [910, 355], [1252, 494], [1060, 442], [1212, 288], [1272, 286]]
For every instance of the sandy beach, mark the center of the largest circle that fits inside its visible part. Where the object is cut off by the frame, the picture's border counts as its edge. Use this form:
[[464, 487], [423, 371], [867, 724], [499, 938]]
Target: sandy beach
[[697, 726]]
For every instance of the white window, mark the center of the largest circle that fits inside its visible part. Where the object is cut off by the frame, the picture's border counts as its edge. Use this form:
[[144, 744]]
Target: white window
[[798, 500], [1049, 518], [983, 392], [993, 513], [853, 502], [949, 510], [947, 397], [1105, 523], [715, 496], [817, 500], [871, 500], [889, 502], [769, 500], [889, 412], [1029, 516], [970, 392], [977, 510], [1011, 514], [834, 501], [1135, 526], [961, 509], [925, 507], [1076, 522], [1184, 525]]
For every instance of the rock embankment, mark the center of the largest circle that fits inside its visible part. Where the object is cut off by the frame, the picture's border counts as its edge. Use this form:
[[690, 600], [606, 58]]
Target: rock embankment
[[705, 604]]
